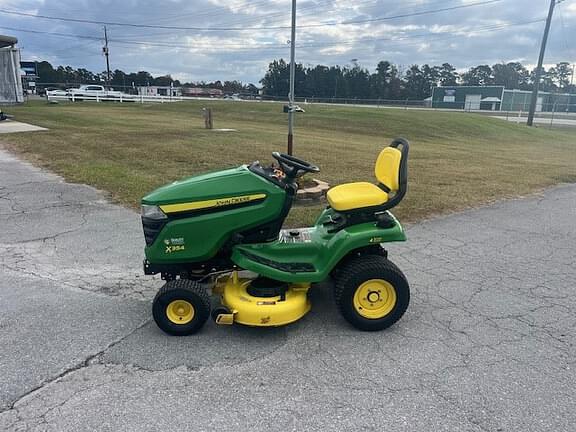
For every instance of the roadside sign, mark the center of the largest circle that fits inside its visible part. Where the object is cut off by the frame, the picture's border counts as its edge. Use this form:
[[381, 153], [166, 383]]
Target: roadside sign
[[29, 68]]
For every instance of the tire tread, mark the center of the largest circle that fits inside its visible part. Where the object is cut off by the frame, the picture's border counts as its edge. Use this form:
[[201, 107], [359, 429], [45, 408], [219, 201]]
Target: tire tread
[[202, 310], [365, 264]]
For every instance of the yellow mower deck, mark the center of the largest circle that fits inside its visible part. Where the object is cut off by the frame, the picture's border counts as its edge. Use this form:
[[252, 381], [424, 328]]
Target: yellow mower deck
[[260, 311]]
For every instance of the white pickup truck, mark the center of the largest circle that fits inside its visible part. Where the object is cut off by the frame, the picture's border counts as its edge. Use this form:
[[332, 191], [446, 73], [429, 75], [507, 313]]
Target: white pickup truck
[[95, 92]]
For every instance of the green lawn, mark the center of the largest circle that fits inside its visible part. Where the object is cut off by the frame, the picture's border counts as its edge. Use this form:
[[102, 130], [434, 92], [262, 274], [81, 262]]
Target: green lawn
[[457, 160]]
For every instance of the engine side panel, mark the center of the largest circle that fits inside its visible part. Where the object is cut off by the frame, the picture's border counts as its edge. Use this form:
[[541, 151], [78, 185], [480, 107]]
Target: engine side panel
[[205, 211]]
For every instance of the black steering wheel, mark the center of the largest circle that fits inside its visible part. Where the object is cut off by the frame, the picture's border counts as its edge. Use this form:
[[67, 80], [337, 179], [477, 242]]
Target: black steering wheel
[[292, 166]]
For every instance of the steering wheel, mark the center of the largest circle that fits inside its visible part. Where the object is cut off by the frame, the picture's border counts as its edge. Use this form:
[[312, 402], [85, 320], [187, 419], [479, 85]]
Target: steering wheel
[[292, 166]]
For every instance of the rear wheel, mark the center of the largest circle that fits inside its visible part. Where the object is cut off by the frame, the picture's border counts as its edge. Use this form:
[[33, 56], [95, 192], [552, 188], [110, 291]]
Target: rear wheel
[[181, 307], [371, 292]]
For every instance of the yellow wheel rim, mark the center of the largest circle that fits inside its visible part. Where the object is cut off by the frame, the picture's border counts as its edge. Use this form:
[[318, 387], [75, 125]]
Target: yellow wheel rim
[[375, 299], [180, 312]]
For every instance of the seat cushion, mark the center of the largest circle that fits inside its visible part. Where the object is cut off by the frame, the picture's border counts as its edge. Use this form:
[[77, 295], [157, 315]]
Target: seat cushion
[[351, 196]]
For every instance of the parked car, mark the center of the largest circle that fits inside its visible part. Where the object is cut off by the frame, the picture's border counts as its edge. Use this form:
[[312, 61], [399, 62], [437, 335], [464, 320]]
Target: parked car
[[56, 92], [93, 91], [43, 91]]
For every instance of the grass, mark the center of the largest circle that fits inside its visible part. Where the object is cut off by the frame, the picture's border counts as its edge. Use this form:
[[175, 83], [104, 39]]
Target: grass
[[457, 160]]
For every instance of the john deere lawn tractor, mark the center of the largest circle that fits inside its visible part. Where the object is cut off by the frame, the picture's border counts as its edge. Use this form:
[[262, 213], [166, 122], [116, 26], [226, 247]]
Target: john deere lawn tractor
[[221, 233]]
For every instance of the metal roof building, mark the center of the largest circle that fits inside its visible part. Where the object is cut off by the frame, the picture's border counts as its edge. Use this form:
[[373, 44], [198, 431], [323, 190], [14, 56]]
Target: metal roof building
[[10, 80], [498, 98]]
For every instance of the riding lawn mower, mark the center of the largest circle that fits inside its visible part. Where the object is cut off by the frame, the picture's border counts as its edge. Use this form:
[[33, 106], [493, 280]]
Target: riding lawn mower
[[221, 234]]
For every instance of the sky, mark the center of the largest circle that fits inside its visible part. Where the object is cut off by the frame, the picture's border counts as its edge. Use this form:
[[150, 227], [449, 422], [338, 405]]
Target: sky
[[207, 40]]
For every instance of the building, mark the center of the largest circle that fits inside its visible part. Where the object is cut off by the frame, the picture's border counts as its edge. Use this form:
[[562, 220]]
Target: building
[[498, 98], [160, 91], [201, 92], [10, 80]]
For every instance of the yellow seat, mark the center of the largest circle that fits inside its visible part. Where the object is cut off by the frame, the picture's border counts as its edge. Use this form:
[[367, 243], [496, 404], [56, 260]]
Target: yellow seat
[[350, 196]]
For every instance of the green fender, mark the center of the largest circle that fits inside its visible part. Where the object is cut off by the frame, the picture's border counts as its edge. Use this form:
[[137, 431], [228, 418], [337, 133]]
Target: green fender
[[313, 259]]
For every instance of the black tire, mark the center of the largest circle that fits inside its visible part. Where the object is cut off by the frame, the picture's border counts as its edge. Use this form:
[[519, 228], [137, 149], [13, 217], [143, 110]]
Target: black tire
[[219, 310], [356, 272], [377, 250], [188, 291]]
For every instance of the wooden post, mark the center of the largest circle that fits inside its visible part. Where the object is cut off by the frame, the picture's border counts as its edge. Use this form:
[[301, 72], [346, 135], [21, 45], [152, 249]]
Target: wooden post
[[207, 118]]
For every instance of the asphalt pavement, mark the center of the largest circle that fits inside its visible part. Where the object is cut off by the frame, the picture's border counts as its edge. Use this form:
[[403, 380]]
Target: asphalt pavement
[[487, 344]]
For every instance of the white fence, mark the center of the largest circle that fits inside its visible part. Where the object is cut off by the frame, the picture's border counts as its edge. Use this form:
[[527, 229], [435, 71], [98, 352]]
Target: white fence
[[558, 116], [113, 98]]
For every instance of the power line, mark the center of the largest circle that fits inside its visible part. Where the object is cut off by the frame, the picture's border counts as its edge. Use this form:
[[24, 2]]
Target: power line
[[311, 11], [410, 41], [228, 7], [207, 14], [406, 40], [244, 47], [143, 14], [308, 10], [407, 15], [349, 22], [67, 49], [67, 35], [494, 27], [214, 12]]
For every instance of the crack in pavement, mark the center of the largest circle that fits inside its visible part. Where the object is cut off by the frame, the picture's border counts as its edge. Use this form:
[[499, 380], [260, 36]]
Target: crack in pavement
[[487, 343], [84, 363]]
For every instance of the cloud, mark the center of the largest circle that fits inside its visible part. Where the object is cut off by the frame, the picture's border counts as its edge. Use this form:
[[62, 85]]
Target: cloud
[[464, 37], [571, 9]]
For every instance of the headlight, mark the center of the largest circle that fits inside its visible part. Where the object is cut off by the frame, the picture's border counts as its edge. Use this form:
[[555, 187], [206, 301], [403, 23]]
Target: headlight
[[152, 212]]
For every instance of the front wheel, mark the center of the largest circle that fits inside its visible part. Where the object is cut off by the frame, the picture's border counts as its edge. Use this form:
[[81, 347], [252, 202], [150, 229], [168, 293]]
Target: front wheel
[[181, 307], [371, 292]]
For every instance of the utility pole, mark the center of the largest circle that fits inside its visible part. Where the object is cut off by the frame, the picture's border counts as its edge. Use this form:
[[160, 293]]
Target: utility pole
[[292, 73], [538, 73], [106, 53]]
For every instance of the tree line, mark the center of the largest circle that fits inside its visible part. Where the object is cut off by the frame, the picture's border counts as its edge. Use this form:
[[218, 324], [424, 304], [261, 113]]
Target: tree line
[[389, 81], [68, 76]]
